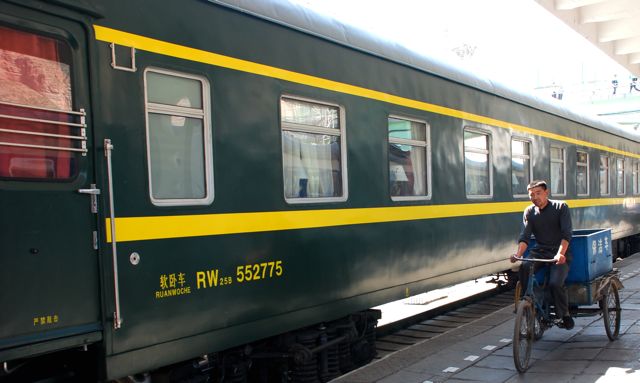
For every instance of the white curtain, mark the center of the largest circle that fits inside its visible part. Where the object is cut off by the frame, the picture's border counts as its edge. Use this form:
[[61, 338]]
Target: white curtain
[[308, 170], [418, 160], [316, 160]]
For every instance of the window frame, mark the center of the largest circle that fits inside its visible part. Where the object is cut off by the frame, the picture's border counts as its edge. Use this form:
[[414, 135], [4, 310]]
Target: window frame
[[527, 156], [489, 153], [586, 165], [425, 144], [170, 110], [624, 180], [608, 170], [564, 169], [316, 130]]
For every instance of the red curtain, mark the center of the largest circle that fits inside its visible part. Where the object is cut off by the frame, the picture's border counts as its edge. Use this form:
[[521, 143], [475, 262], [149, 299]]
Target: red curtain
[[31, 74]]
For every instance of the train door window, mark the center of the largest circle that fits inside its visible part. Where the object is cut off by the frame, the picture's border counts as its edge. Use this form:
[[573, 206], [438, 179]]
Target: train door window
[[520, 166], [558, 168], [178, 138], [41, 137], [408, 158], [604, 175], [620, 181], [313, 151], [582, 173], [477, 164], [635, 171]]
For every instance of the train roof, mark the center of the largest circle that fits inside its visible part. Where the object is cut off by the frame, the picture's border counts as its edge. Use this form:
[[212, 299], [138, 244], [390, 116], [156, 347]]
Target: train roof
[[306, 20]]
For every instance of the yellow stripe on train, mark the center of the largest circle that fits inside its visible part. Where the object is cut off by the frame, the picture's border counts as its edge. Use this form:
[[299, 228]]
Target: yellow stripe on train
[[179, 226], [192, 54]]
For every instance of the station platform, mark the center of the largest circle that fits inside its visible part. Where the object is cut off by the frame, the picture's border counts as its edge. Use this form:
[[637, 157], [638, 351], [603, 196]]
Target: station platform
[[481, 351]]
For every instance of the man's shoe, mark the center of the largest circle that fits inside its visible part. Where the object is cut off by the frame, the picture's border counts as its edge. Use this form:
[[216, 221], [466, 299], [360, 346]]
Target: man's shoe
[[568, 322]]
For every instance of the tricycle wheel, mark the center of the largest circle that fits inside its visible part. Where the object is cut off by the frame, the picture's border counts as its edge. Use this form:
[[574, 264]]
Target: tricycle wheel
[[516, 296], [610, 306], [523, 335], [538, 330]]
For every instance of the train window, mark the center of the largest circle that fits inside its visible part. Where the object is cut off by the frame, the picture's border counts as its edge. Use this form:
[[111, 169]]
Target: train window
[[477, 164], [178, 138], [313, 151], [604, 175], [408, 158], [635, 171], [558, 168], [582, 173], [40, 135], [620, 181], [520, 166]]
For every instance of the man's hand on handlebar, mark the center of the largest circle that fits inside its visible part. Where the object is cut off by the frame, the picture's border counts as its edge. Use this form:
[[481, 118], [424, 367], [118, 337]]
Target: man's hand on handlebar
[[514, 258], [560, 259]]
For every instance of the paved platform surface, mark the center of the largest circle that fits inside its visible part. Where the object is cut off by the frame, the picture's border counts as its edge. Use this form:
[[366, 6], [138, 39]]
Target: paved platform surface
[[481, 351]]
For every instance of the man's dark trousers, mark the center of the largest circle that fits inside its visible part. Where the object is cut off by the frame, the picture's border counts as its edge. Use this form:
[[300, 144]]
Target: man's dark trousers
[[557, 277]]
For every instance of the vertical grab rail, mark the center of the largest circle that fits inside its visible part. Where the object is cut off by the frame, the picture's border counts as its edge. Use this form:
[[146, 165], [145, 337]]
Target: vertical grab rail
[[117, 318]]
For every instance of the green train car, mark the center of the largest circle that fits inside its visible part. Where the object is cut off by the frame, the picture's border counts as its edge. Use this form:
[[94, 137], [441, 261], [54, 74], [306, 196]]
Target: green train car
[[224, 188]]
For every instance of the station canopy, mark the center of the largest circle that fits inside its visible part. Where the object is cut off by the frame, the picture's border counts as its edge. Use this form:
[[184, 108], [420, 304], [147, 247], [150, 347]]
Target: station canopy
[[611, 25]]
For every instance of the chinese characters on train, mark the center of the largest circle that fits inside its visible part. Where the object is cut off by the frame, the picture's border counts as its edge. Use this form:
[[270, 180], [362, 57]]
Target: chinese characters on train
[[44, 320], [176, 284]]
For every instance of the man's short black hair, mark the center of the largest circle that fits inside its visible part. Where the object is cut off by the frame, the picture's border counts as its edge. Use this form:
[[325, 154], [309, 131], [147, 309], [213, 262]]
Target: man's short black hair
[[536, 183]]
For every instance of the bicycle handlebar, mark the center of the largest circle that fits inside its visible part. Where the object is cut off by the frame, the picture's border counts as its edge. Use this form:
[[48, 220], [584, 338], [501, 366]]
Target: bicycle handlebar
[[543, 260]]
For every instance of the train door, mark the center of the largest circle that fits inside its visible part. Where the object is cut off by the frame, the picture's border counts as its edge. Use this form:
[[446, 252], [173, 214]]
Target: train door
[[48, 256]]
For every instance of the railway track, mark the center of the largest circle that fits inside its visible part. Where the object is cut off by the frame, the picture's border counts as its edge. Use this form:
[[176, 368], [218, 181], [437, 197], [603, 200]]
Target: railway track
[[398, 335]]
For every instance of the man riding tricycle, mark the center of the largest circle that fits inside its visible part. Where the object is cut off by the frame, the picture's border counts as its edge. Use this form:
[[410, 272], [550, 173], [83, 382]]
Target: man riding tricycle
[[581, 258]]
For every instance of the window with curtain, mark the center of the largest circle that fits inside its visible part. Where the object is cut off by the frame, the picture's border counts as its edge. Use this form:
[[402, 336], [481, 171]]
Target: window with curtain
[[558, 185], [620, 181], [520, 166], [35, 84], [604, 175], [178, 138], [408, 158], [477, 164], [582, 173], [312, 151]]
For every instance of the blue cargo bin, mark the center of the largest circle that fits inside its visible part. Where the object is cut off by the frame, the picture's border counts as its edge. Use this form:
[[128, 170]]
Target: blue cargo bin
[[592, 258]]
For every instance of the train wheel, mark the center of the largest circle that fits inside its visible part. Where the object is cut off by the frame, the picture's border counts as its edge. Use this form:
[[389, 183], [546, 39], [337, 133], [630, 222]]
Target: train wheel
[[523, 335], [610, 306]]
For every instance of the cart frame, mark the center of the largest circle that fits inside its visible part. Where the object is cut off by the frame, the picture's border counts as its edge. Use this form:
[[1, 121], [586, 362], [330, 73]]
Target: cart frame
[[534, 314]]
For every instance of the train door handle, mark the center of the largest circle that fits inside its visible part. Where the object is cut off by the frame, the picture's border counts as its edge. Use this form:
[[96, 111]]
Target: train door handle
[[92, 191]]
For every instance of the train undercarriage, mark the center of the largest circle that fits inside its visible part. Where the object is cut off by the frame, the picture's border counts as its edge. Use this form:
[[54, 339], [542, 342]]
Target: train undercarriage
[[313, 354]]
